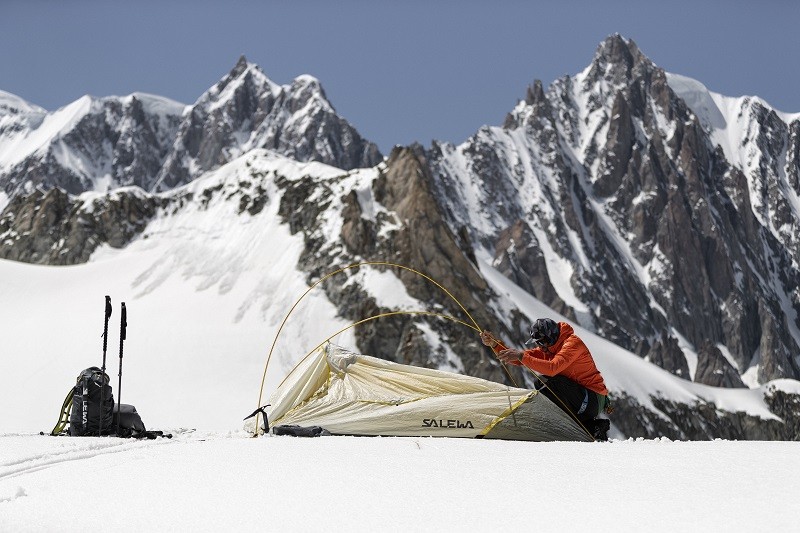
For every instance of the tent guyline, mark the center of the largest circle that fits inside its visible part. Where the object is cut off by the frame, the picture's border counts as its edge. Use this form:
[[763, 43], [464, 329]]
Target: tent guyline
[[474, 326]]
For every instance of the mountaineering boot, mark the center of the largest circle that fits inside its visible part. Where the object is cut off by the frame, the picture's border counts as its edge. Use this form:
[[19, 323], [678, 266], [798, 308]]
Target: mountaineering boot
[[599, 428]]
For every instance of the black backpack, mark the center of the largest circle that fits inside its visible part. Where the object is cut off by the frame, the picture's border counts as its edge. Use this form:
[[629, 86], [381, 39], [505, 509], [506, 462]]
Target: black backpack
[[85, 413], [88, 416]]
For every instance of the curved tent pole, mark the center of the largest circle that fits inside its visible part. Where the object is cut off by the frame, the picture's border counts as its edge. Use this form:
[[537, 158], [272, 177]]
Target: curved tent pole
[[325, 277], [354, 324], [369, 319]]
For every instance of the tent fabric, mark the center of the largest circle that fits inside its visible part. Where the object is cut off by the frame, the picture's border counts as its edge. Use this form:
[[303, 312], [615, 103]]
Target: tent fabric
[[352, 394]]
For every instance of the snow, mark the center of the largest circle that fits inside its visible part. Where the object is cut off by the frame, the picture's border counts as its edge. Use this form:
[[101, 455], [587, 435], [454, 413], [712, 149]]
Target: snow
[[13, 104], [3, 200], [229, 482], [20, 146], [48, 129], [252, 73], [724, 117], [386, 287], [560, 272], [156, 105], [207, 289]]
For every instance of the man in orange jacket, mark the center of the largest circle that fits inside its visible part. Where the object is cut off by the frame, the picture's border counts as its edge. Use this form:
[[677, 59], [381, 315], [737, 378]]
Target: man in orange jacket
[[575, 384]]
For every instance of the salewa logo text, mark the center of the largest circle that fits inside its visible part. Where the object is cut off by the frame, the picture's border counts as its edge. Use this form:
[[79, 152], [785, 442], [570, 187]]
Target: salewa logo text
[[434, 423]]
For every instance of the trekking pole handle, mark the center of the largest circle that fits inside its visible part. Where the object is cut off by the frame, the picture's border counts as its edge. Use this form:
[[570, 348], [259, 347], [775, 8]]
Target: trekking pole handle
[[123, 325]]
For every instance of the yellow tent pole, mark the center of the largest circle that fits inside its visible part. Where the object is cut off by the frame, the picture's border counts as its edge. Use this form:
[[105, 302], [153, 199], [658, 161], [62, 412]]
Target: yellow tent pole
[[322, 279], [369, 319], [354, 324]]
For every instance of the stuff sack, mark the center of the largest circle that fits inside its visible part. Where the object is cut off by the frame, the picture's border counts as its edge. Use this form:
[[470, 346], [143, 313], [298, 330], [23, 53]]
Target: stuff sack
[[88, 415], [129, 421], [301, 431]]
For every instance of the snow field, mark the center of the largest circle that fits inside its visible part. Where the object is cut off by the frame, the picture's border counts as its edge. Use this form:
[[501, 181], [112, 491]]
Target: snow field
[[230, 482]]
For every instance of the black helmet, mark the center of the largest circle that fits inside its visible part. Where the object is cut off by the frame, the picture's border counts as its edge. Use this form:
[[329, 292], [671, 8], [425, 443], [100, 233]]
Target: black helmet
[[544, 333]]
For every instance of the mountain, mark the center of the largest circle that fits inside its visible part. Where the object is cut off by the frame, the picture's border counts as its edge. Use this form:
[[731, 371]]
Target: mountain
[[90, 144], [98, 144], [246, 110], [603, 199], [670, 231]]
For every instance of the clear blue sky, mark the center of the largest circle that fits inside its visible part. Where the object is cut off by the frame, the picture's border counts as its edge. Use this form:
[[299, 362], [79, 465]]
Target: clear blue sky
[[400, 71]]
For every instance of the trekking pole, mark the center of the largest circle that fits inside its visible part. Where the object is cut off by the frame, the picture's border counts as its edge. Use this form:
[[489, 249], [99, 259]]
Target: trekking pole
[[123, 325], [103, 374]]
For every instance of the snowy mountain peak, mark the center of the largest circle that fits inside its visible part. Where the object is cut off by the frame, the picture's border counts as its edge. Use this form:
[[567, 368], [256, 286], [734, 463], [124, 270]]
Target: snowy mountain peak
[[153, 103], [610, 204], [90, 144], [245, 81], [306, 88], [246, 110], [618, 51], [11, 104], [605, 201]]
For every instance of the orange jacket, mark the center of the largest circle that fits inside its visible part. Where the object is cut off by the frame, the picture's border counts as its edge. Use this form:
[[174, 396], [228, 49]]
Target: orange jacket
[[568, 357]]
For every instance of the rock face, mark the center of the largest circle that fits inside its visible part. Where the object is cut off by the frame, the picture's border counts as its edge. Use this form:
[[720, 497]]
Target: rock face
[[713, 369], [612, 200], [705, 421], [55, 228], [667, 354], [408, 230]]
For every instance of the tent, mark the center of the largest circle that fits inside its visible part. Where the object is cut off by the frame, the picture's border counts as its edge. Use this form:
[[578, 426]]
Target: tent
[[352, 394]]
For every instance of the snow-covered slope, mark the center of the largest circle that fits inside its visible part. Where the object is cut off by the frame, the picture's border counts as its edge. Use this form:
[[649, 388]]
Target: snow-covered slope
[[627, 373], [761, 142], [604, 197], [205, 288], [11, 105]]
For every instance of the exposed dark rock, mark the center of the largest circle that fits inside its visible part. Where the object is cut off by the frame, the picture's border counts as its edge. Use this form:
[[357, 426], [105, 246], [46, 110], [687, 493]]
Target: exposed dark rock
[[54, 228], [713, 369], [518, 257], [619, 147], [668, 355], [705, 421], [659, 230], [121, 140], [607, 179]]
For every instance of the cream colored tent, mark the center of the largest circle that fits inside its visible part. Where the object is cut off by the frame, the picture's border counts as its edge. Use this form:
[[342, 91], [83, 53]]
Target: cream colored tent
[[351, 394]]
